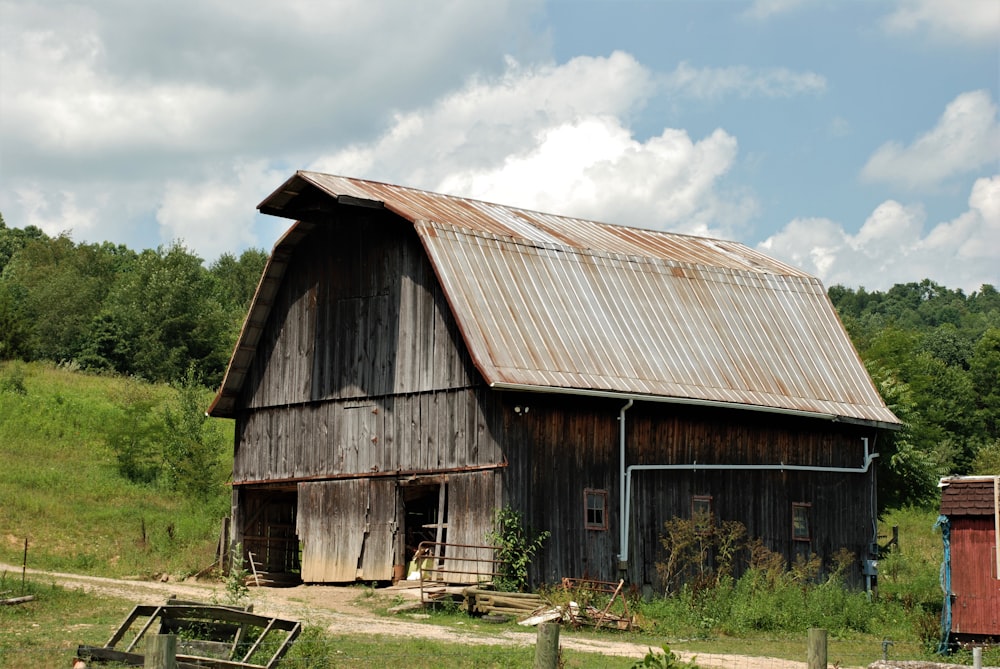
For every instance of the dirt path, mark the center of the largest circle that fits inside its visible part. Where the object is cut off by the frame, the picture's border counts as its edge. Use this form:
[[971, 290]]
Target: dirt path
[[339, 611]]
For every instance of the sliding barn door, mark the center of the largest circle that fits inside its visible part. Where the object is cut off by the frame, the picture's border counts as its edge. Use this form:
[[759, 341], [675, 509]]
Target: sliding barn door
[[472, 501], [347, 530]]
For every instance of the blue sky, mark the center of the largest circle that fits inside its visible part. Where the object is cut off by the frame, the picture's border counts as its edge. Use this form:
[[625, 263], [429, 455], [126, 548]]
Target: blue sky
[[857, 140]]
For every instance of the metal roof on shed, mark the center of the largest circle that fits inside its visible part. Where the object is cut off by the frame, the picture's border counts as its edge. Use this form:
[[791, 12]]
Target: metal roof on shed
[[560, 304]]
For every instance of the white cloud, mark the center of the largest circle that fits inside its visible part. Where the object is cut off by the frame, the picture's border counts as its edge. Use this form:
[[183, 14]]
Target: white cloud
[[953, 21], [765, 9], [551, 138], [216, 216], [890, 247], [966, 138], [56, 213], [113, 114], [717, 82]]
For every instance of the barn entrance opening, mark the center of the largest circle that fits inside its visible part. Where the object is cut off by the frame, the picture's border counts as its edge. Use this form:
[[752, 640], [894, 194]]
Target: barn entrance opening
[[269, 533], [425, 509]]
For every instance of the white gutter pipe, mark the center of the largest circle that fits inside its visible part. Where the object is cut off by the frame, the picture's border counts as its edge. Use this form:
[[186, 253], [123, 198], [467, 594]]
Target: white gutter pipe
[[623, 553], [622, 494]]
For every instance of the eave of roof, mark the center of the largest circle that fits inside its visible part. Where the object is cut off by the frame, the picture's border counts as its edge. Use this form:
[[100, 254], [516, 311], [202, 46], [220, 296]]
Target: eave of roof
[[638, 314]]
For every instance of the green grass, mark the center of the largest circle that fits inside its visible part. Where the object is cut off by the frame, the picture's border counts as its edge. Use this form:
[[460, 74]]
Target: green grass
[[60, 488], [46, 632]]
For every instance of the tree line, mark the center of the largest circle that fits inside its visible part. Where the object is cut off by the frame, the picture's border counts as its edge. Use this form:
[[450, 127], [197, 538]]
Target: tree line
[[162, 315], [156, 315], [934, 354]]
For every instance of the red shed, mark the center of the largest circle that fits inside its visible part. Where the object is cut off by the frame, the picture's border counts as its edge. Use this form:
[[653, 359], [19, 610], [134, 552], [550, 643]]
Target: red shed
[[970, 522]]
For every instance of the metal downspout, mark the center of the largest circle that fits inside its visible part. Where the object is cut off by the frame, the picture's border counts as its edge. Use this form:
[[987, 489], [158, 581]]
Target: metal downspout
[[622, 492]]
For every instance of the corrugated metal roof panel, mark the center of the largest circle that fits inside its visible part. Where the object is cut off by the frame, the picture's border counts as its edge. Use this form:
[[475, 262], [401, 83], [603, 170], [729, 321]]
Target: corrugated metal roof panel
[[612, 323], [560, 303]]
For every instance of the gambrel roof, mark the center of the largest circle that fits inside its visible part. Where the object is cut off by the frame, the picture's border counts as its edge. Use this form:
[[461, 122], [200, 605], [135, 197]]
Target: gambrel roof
[[556, 304]]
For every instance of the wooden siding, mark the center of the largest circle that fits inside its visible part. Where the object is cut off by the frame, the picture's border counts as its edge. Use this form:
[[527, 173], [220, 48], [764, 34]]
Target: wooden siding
[[408, 433], [361, 368], [558, 448], [563, 446], [975, 609], [359, 314]]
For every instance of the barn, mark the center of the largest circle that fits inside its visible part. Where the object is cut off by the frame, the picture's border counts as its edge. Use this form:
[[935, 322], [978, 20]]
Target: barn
[[413, 361], [971, 534]]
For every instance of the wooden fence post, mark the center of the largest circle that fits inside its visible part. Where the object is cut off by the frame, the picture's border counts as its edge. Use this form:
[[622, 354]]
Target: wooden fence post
[[816, 653], [547, 646], [161, 651]]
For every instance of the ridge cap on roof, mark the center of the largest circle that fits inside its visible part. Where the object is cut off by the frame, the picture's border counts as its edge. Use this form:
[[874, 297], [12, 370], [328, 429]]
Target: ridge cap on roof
[[578, 219]]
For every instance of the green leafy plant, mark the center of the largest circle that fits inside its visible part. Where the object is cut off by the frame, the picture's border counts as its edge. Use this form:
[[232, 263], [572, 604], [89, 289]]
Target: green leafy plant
[[12, 380], [237, 592], [665, 660], [516, 546]]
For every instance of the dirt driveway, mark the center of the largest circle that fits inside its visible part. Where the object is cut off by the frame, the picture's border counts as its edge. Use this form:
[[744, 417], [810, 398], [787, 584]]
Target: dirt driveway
[[339, 610]]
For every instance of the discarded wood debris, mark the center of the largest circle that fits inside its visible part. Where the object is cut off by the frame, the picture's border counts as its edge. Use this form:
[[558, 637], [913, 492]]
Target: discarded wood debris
[[17, 600], [591, 615], [220, 637], [478, 600]]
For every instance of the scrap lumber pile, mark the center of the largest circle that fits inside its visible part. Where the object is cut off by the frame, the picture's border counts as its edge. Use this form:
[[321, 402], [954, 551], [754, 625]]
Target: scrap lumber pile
[[491, 602], [601, 604]]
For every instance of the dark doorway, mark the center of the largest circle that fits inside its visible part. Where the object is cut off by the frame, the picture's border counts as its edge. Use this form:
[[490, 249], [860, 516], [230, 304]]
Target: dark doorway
[[269, 533], [425, 515]]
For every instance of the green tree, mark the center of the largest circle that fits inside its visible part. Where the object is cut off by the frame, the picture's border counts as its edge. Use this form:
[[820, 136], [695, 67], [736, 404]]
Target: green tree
[[14, 327], [984, 369], [135, 436], [13, 240], [906, 475], [61, 287], [162, 316], [192, 449]]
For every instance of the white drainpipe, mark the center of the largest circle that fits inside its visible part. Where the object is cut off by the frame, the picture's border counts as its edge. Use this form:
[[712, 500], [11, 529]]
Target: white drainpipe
[[622, 494], [627, 496]]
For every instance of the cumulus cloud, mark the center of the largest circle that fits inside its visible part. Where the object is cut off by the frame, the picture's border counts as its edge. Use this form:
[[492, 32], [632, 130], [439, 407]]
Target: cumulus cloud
[[117, 109], [966, 138], [55, 213], [954, 21], [551, 138], [216, 216], [891, 248]]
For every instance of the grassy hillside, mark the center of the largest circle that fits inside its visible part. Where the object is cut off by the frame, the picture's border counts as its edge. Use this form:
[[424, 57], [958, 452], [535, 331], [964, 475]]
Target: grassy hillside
[[60, 486]]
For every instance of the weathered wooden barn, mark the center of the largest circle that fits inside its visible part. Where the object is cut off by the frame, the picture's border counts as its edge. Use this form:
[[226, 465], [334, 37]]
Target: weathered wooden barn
[[412, 361], [971, 531]]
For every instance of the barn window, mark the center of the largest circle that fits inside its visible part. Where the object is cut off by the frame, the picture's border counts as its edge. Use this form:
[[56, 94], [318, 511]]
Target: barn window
[[701, 512], [800, 521], [595, 509]]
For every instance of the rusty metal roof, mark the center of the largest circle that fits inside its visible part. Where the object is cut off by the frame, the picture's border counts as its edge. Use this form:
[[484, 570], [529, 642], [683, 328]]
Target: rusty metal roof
[[560, 304]]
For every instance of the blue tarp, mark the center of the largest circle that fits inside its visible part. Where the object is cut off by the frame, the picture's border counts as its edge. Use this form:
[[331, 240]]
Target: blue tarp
[[945, 578]]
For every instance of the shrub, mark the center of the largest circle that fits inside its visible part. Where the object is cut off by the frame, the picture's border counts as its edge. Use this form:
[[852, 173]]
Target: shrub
[[516, 546]]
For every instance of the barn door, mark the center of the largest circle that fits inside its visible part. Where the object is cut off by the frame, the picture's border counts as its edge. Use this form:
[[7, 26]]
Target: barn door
[[347, 529], [472, 500]]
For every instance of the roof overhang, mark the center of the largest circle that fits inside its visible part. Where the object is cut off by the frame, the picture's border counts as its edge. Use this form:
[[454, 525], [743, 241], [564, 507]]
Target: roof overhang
[[693, 401]]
